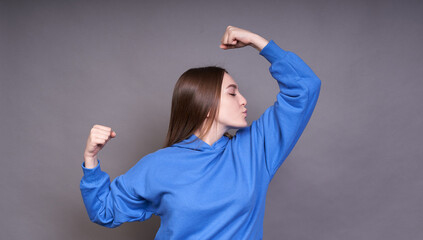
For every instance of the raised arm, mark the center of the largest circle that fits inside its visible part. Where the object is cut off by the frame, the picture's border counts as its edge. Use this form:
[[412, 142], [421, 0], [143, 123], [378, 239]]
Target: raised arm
[[273, 136], [282, 124]]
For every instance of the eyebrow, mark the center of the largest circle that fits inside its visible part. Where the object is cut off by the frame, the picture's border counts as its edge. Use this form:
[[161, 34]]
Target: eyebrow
[[232, 85]]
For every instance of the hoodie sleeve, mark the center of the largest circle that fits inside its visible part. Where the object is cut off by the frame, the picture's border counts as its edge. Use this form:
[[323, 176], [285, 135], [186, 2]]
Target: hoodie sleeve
[[111, 204], [278, 129]]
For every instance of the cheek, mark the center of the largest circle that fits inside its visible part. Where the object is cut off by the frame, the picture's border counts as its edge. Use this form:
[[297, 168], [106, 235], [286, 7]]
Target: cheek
[[228, 116], [226, 108], [229, 106]]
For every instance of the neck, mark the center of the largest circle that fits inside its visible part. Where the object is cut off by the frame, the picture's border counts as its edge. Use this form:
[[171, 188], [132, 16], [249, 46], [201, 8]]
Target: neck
[[213, 135]]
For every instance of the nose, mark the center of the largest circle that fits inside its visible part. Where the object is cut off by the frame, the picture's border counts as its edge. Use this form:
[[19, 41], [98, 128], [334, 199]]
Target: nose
[[243, 100]]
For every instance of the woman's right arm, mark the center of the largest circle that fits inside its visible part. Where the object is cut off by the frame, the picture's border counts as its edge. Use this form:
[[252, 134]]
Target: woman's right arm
[[109, 203]]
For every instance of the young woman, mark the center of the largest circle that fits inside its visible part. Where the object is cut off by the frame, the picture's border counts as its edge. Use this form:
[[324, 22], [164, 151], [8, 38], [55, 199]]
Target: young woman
[[204, 183]]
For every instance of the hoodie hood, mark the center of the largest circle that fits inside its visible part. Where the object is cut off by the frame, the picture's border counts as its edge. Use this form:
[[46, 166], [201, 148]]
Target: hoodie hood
[[200, 145]]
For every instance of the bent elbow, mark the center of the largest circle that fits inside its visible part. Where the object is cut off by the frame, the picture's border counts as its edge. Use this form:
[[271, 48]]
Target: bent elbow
[[314, 87], [110, 224]]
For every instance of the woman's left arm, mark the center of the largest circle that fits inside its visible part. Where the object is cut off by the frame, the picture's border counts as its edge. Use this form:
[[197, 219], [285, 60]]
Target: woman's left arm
[[281, 125], [273, 136]]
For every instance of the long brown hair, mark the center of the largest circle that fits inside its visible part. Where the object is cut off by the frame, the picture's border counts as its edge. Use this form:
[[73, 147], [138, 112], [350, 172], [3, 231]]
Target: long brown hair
[[196, 94]]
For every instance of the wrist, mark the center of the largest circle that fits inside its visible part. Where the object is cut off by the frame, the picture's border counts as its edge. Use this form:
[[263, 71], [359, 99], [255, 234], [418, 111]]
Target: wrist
[[258, 42], [90, 164], [90, 156], [90, 161]]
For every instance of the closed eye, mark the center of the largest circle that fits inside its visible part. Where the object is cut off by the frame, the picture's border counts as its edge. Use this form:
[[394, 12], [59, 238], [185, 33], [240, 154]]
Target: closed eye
[[233, 94]]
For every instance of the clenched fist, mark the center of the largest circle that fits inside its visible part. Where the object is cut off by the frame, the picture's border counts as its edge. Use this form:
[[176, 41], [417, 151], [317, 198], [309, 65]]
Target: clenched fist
[[99, 136], [237, 37]]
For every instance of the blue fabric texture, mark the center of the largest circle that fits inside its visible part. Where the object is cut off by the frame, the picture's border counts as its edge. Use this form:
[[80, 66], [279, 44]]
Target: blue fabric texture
[[211, 192]]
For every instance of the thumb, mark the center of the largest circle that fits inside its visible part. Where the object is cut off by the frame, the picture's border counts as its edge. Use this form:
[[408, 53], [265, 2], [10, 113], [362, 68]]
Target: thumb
[[113, 134], [225, 47]]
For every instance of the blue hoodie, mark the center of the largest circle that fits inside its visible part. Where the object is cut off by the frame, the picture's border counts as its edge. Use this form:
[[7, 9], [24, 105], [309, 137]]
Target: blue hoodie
[[211, 192]]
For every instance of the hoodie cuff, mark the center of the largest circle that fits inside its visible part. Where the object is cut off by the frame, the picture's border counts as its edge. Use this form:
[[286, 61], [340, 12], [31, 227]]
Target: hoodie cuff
[[272, 52], [91, 174]]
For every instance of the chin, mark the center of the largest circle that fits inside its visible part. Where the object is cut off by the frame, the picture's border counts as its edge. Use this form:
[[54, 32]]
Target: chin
[[242, 125]]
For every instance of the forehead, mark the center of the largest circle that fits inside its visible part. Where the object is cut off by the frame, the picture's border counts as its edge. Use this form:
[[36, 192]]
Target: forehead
[[228, 81]]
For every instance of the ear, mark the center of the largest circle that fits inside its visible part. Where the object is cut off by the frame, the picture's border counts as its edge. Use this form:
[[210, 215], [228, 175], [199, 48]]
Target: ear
[[208, 114]]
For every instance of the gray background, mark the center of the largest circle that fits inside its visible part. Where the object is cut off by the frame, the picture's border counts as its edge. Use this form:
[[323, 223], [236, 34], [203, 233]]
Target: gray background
[[355, 173]]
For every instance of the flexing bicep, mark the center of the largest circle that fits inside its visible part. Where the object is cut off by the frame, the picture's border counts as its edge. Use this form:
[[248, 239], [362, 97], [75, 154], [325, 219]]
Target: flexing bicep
[[280, 126], [111, 204]]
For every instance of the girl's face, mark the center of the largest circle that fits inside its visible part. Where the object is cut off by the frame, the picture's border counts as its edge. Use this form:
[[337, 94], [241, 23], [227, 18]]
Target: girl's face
[[232, 110]]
